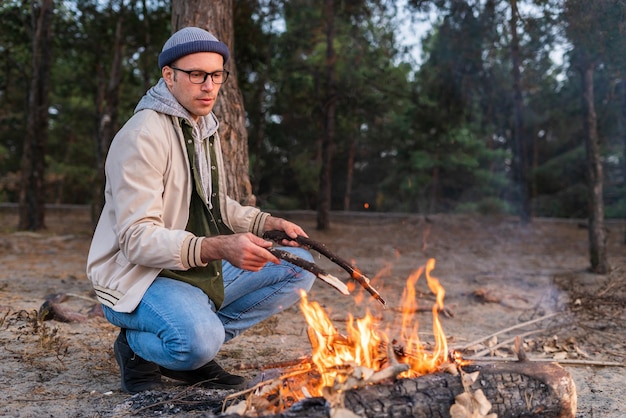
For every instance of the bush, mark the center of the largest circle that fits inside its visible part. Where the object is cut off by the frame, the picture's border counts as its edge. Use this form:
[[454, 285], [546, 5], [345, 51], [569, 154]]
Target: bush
[[485, 206]]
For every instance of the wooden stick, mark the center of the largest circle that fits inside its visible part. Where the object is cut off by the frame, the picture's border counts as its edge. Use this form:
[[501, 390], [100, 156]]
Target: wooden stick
[[279, 236], [573, 362], [313, 268], [276, 365], [505, 342], [281, 378], [523, 324], [445, 311]]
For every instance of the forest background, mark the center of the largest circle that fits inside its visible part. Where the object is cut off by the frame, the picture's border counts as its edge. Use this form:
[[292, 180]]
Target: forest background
[[514, 107]]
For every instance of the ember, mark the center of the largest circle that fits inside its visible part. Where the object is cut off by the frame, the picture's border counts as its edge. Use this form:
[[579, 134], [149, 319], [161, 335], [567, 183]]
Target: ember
[[366, 348]]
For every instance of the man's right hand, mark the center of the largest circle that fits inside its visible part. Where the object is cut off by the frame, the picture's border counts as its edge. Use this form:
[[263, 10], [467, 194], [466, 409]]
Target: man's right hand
[[246, 251]]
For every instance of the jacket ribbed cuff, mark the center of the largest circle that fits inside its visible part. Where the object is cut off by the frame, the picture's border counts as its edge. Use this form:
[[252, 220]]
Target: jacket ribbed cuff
[[257, 227], [192, 252]]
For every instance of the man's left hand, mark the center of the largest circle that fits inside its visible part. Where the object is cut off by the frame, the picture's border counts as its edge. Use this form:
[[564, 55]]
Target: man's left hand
[[273, 223]]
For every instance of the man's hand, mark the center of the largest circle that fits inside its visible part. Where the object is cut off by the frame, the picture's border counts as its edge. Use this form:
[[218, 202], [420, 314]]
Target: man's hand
[[246, 251], [289, 228]]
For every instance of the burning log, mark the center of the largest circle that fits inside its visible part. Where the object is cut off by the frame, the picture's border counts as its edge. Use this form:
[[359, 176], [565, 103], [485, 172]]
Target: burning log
[[488, 390], [516, 389]]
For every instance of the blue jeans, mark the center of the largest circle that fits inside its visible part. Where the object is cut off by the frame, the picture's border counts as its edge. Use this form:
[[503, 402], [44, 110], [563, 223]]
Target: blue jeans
[[177, 326]]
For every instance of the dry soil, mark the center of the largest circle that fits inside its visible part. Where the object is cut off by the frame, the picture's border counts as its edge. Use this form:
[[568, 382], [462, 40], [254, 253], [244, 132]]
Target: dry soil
[[496, 272]]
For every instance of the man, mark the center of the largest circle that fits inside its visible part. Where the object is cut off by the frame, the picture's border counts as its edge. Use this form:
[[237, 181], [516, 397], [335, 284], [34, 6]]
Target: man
[[178, 265]]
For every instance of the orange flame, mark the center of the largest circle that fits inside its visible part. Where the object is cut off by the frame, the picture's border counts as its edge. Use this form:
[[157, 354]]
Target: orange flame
[[364, 344], [420, 360]]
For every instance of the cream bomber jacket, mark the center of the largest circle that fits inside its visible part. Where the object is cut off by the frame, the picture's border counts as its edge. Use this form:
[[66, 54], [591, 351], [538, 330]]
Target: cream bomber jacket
[[142, 227]]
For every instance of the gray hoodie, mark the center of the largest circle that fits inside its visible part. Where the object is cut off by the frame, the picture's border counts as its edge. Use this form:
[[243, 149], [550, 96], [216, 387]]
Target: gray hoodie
[[160, 99]]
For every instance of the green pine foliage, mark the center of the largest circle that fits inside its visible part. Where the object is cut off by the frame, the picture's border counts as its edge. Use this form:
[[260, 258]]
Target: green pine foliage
[[433, 136]]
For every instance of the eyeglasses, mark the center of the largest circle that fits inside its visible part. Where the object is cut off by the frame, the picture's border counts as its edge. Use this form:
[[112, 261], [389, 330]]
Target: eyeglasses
[[199, 77]]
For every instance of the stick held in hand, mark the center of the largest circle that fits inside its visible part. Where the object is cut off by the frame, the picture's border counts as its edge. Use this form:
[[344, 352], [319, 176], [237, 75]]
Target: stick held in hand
[[312, 267], [278, 236]]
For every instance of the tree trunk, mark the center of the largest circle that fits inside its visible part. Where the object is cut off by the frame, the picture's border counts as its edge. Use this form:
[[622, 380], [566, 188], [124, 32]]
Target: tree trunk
[[108, 104], [147, 58], [217, 18], [623, 134], [32, 188], [329, 105], [432, 205], [349, 172], [520, 149], [259, 135], [597, 234], [260, 122]]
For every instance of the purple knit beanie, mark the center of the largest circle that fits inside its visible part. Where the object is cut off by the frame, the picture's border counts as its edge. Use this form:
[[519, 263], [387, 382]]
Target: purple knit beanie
[[189, 41]]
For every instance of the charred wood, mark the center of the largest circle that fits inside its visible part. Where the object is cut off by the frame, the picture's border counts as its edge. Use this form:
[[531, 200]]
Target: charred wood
[[516, 389], [520, 389]]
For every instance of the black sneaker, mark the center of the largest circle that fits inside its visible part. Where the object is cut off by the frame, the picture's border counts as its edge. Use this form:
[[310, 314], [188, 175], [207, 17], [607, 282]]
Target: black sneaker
[[137, 374], [211, 375]]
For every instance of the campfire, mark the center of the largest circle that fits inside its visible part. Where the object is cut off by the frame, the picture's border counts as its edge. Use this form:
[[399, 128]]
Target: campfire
[[366, 354], [368, 371], [366, 350]]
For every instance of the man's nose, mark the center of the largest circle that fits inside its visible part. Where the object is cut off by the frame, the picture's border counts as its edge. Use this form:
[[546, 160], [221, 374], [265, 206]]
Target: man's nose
[[208, 84]]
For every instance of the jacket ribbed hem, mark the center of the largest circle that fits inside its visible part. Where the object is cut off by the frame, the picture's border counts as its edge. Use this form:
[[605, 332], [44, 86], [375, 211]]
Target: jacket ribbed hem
[[108, 297]]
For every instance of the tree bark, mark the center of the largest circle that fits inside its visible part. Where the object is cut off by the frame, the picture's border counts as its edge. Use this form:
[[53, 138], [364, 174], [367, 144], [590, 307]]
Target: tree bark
[[434, 193], [597, 235], [147, 58], [108, 104], [520, 148], [349, 172], [259, 121], [217, 18], [623, 132], [329, 105], [32, 195]]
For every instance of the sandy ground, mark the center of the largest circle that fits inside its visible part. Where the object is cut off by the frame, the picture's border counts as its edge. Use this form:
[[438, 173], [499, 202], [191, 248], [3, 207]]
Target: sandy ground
[[496, 274]]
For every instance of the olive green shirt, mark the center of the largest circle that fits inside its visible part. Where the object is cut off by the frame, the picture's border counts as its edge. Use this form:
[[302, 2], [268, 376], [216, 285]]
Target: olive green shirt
[[203, 222]]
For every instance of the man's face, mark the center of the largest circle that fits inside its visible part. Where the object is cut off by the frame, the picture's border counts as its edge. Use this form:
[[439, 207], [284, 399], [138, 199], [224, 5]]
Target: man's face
[[198, 99]]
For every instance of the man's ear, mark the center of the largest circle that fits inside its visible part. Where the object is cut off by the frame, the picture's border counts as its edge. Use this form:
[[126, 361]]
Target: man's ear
[[168, 75]]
